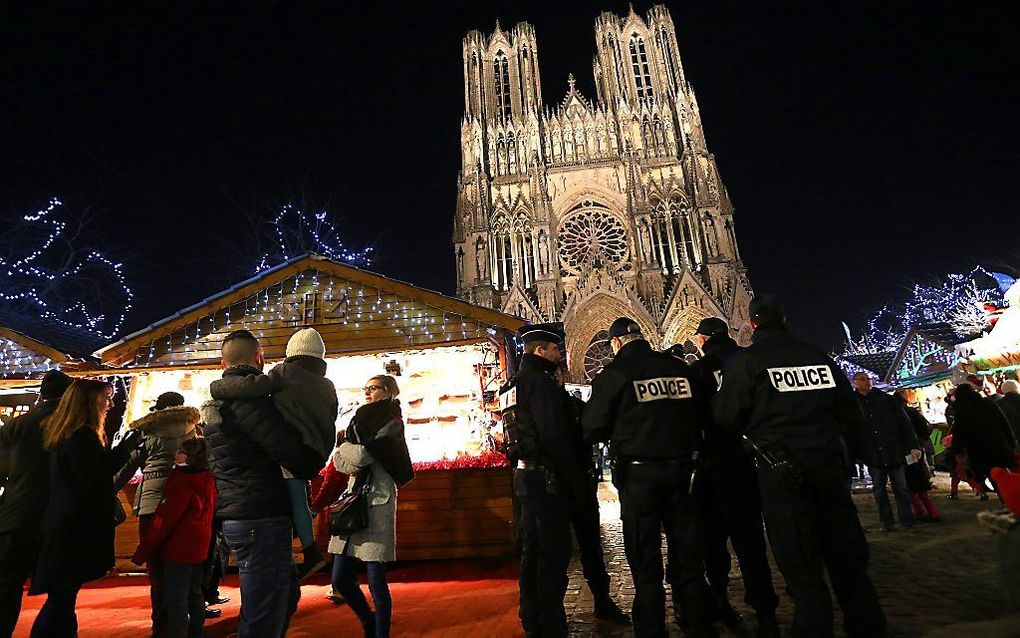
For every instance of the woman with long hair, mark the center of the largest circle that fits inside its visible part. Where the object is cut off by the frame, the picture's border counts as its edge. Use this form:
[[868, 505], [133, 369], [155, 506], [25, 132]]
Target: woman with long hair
[[76, 537], [374, 449]]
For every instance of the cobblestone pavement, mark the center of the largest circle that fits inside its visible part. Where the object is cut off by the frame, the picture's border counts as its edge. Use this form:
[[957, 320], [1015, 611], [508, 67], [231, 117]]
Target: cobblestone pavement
[[942, 580]]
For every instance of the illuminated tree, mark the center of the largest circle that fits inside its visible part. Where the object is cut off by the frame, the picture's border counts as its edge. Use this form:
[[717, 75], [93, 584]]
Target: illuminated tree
[[293, 231], [47, 270]]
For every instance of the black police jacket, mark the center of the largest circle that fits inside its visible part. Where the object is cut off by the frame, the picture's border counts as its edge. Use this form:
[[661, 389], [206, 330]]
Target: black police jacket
[[786, 392], [24, 469], [722, 447], [544, 420], [642, 402]]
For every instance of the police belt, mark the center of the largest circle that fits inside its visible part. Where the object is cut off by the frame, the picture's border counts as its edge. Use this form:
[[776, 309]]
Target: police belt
[[529, 465]]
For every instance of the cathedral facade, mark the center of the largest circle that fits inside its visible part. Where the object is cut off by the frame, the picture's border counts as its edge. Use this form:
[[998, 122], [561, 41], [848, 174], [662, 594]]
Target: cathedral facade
[[588, 210]]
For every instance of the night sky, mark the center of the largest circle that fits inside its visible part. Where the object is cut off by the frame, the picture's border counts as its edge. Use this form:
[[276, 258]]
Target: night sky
[[864, 146]]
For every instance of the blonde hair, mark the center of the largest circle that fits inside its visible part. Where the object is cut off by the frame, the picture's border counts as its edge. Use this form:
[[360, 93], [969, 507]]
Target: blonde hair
[[79, 407], [388, 383]]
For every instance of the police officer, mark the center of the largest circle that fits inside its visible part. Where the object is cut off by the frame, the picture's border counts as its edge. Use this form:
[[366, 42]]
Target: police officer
[[584, 517], [642, 402], [547, 478], [792, 403], [727, 494]]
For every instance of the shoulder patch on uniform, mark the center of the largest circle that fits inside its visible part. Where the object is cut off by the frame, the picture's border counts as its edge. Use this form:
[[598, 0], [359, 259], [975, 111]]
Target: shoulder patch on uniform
[[801, 378], [718, 378], [508, 399], [662, 388]]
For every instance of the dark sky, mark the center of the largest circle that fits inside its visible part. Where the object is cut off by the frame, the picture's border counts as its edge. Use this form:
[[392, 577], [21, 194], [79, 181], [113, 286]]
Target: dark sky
[[864, 145]]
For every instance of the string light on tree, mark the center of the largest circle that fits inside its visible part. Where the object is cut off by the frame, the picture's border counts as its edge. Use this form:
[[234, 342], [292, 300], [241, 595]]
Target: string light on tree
[[56, 281], [296, 232]]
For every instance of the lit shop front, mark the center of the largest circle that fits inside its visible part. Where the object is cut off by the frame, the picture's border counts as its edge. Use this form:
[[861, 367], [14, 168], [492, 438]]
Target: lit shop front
[[448, 357]]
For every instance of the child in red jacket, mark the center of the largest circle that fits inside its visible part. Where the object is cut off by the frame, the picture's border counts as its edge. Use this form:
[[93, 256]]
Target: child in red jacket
[[180, 533]]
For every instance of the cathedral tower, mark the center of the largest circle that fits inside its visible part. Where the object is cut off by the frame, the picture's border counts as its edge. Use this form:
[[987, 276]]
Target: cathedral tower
[[589, 210]]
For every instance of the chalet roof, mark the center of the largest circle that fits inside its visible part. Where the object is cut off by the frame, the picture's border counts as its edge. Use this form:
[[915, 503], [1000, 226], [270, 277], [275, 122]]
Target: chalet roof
[[942, 332], [877, 362], [48, 336], [365, 312]]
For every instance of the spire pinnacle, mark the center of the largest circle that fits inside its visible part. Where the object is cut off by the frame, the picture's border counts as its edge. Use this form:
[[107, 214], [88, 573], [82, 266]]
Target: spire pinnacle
[[570, 81]]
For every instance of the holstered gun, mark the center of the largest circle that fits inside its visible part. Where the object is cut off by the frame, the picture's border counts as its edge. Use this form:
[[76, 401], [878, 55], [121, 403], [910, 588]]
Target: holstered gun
[[774, 460]]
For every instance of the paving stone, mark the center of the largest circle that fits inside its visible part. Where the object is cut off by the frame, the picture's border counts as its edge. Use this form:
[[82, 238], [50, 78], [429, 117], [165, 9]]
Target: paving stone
[[944, 575]]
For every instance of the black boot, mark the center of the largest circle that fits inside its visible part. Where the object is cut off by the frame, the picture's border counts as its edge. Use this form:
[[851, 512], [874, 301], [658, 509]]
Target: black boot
[[369, 627], [607, 609], [768, 626], [312, 563], [726, 614]]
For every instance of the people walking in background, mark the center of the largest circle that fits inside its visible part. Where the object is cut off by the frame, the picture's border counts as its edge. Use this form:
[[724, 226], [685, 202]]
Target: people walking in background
[[885, 437], [922, 429], [179, 533], [374, 453], [167, 426], [307, 400], [1009, 404], [981, 431], [77, 531], [24, 477], [249, 441]]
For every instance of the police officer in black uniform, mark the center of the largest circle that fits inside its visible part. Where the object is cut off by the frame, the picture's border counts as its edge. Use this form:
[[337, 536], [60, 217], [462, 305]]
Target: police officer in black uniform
[[793, 405], [642, 402], [584, 517], [727, 494], [547, 478]]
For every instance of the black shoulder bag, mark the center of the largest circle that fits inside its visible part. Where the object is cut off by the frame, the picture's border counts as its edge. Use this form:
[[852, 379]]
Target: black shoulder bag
[[349, 513]]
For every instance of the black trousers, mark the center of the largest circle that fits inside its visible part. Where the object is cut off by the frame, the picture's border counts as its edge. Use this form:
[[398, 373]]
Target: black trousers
[[17, 552], [815, 528], [545, 554], [155, 570], [654, 498], [731, 510], [584, 518], [215, 563]]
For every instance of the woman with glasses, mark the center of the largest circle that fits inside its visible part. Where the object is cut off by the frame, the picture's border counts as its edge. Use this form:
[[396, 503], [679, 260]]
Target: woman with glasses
[[374, 449], [76, 537]]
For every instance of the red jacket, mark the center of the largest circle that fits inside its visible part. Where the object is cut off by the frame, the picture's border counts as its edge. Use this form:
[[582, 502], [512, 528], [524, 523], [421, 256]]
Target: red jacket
[[327, 486], [181, 528]]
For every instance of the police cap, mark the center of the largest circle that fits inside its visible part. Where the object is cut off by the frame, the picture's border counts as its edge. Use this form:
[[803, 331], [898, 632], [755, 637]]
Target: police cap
[[624, 326], [766, 310], [549, 332], [712, 326]]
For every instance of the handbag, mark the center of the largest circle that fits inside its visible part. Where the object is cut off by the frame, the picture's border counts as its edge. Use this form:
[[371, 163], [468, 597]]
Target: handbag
[[349, 514]]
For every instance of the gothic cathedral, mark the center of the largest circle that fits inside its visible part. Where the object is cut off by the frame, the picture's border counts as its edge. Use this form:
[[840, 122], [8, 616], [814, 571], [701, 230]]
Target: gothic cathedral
[[590, 210]]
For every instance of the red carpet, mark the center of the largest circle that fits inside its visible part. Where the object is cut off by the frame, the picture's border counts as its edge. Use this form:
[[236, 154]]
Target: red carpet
[[439, 599]]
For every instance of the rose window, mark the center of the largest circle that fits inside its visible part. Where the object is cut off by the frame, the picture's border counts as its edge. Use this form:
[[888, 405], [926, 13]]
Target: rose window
[[592, 235], [598, 354]]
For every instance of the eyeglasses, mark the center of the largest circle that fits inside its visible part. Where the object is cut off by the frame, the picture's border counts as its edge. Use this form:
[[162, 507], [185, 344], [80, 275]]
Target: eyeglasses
[[368, 389]]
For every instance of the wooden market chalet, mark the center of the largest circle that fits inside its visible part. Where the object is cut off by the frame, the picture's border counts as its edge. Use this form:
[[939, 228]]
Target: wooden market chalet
[[449, 357]]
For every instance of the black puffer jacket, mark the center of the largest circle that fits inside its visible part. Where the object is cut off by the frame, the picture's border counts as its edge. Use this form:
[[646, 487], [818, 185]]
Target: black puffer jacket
[[249, 441], [24, 469]]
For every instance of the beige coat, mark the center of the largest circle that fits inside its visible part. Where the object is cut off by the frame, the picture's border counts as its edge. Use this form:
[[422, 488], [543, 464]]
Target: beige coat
[[378, 542]]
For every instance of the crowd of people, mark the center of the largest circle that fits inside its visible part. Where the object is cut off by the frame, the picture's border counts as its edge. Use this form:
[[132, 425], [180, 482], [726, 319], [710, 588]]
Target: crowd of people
[[235, 472], [726, 449]]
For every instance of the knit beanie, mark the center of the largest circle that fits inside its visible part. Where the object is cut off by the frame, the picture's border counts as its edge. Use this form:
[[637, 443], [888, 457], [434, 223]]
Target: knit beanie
[[306, 342]]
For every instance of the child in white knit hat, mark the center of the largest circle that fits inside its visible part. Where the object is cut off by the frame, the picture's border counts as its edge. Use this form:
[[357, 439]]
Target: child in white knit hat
[[307, 400]]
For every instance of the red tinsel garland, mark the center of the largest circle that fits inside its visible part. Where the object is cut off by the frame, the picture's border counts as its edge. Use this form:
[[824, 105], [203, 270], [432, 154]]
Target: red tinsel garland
[[482, 461]]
